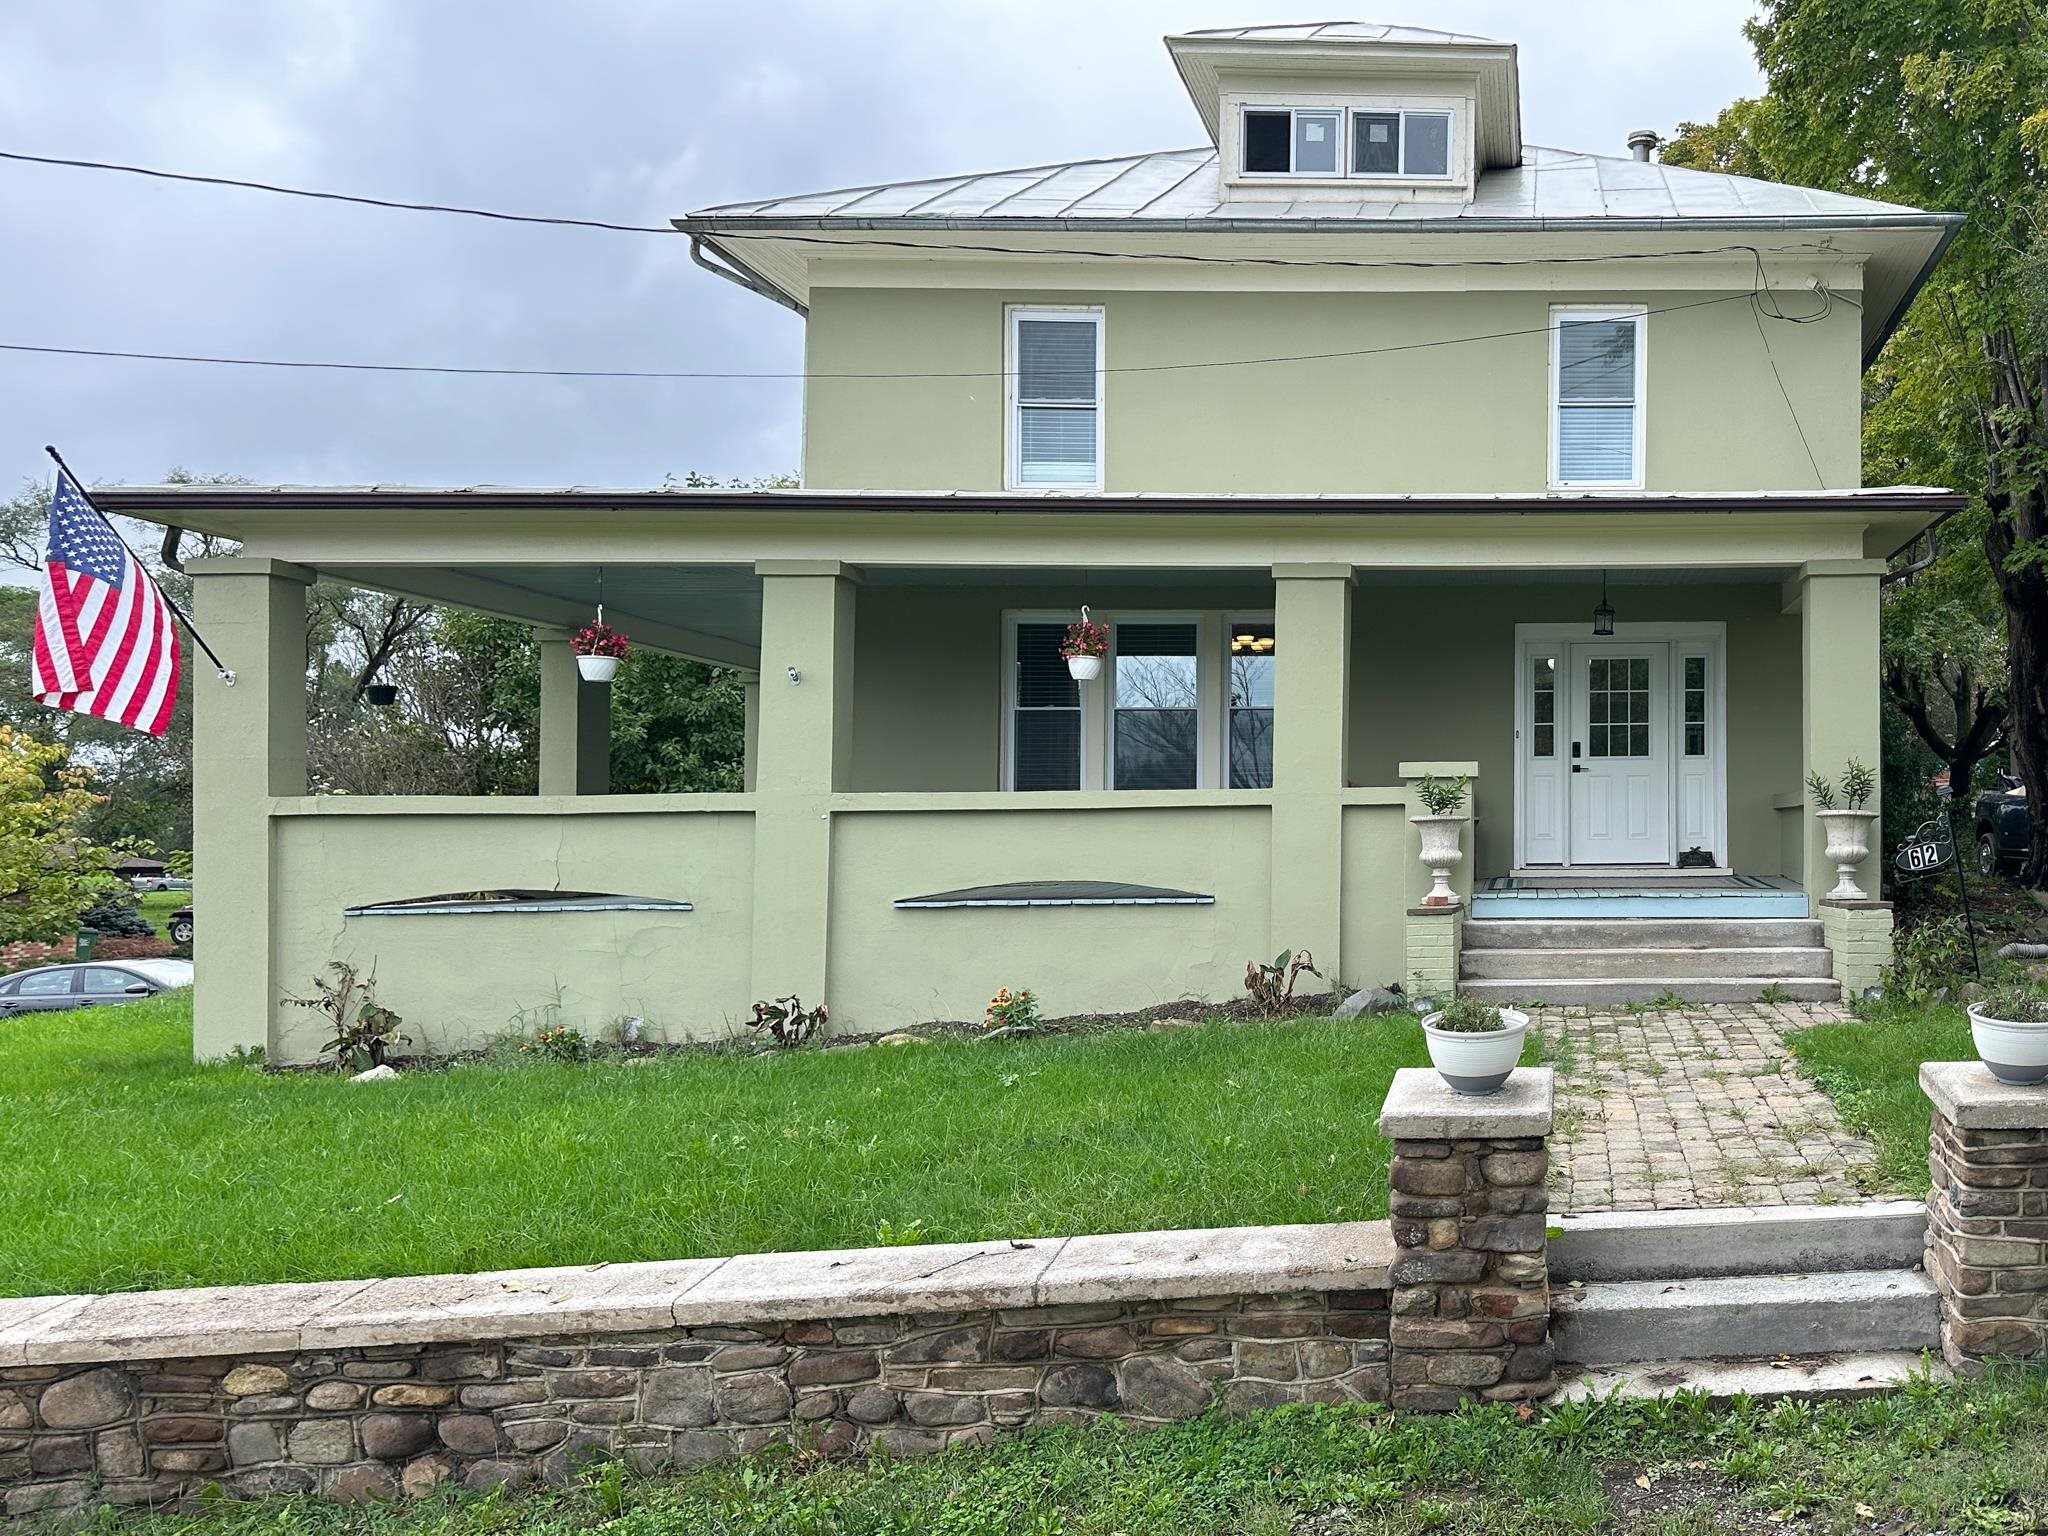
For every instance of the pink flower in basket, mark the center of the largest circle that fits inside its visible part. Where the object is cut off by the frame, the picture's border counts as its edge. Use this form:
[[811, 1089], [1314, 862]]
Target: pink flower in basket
[[599, 639], [1085, 638]]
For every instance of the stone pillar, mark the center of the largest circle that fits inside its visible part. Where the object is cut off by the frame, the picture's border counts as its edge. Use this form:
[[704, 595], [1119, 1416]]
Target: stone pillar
[[249, 745], [575, 723], [805, 741], [1859, 938], [1311, 734], [1434, 935], [1471, 1274], [1987, 1214], [1837, 605]]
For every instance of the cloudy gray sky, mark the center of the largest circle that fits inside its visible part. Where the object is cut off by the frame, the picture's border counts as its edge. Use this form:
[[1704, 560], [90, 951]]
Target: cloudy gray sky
[[633, 110]]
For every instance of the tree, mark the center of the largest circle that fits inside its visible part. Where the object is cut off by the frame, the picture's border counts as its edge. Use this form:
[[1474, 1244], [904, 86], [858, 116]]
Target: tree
[[50, 869], [1938, 104]]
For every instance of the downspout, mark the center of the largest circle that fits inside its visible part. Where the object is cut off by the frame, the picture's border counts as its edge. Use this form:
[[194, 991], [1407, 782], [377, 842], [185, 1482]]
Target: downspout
[[745, 279], [173, 536]]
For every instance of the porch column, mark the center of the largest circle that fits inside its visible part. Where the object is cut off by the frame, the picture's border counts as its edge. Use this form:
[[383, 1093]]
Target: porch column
[[804, 736], [575, 723], [249, 745], [1311, 732], [1837, 605], [750, 750]]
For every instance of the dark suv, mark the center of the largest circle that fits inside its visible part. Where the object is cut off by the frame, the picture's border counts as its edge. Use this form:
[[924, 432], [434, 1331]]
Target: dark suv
[[2002, 826]]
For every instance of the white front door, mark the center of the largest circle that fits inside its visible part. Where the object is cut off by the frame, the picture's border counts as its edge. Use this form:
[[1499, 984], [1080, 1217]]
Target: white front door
[[1620, 745]]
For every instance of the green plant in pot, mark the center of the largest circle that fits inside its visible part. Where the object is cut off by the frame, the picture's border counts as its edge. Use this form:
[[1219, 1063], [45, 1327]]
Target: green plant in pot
[[2010, 1030], [1840, 808], [1474, 1045], [1440, 827]]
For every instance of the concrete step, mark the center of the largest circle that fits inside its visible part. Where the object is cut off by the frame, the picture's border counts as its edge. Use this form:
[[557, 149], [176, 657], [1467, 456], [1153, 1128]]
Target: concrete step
[[1642, 904], [1859, 1311], [1738, 1240], [1642, 932], [1533, 964], [1617, 991], [1823, 1376]]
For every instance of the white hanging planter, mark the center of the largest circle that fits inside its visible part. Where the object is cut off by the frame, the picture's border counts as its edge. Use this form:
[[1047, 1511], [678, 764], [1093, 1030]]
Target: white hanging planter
[[597, 669], [1848, 834], [1476, 1063], [1441, 853], [2015, 1052], [1084, 669]]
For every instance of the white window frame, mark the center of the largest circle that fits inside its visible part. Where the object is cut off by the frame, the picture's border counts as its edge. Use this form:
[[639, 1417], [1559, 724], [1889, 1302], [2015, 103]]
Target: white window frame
[[1346, 132], [1013, 433], [1098, 699], [1560, 315]]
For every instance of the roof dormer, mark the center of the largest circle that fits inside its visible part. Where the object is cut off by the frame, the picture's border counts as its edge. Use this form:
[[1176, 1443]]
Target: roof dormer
[[1353, 111]]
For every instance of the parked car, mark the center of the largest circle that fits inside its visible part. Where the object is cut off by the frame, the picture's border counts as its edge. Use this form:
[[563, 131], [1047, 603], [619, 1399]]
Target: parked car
[[51, 987], [160, 883], [2002, 826], [181, 926]]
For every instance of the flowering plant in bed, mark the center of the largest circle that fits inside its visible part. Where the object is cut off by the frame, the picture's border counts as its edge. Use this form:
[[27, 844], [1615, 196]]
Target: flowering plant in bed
[[1016, 1010], [599, 649], [1085, 644], [1473, 1045]]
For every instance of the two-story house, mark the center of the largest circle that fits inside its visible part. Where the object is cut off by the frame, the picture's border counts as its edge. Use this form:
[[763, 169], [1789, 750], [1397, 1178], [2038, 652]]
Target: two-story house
[[1383, 442]]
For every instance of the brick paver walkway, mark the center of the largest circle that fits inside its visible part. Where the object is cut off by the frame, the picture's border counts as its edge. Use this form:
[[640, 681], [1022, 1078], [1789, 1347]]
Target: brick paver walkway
[[1668, 1109]]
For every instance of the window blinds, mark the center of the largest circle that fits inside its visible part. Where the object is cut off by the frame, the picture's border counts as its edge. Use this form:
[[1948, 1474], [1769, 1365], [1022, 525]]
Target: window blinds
[[1057, 404], [1596, 400]]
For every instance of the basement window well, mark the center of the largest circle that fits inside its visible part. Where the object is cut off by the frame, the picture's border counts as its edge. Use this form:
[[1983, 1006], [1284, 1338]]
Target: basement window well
[[473, 903]]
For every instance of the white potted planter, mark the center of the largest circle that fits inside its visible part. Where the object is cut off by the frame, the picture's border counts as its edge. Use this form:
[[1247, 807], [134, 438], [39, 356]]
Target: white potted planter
[[1084, 669], [1848, 834], [597, 669], [1474, 1060], [2010, 1031], [1440, 826]]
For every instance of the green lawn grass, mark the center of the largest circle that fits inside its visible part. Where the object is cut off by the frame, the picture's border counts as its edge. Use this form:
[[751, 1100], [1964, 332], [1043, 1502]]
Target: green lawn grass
[[158, 906], [1870, 1067], [123, 1165], [1932, 1456]]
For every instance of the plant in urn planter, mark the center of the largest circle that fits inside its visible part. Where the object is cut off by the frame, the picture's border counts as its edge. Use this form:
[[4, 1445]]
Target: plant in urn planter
[[598, 649], [2010, 1031], [1440, 826], [1847, 824], [1474, 1045], [1086, 643]]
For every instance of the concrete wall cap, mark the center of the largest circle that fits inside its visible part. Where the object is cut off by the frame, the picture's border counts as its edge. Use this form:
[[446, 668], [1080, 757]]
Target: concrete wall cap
[[1422, 1107], [640, 1297], [1967, 1095], [1856, 906]]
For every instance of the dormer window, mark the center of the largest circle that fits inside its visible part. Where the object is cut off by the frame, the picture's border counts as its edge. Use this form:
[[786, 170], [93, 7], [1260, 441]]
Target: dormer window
[[1311, 143]]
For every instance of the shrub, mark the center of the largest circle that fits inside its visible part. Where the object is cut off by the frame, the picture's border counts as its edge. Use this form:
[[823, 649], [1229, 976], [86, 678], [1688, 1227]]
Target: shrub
[[1272, 986], [787, 1022], [118, 917], [562, 1043], [2017, 1003], [1011, 1010], [1442, 797], [1928, 957], [363, 1030], [1469, 1016]]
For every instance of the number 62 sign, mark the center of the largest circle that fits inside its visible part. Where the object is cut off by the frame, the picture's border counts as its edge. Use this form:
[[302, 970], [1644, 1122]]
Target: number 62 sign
[[1928, 850]]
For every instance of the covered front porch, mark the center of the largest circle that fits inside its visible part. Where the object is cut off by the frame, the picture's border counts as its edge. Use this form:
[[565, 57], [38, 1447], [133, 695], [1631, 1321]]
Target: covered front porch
[[1244, 772]]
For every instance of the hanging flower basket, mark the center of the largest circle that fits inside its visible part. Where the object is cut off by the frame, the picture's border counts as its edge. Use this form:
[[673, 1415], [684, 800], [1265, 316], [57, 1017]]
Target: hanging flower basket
[[599, 648], [1086, 643]]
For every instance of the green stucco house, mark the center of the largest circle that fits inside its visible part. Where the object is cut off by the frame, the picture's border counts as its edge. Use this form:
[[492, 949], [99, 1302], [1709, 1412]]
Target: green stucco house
[[1345, 422]]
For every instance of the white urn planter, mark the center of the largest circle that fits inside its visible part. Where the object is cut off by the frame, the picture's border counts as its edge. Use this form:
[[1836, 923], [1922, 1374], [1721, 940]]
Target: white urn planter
[[1476, 1063], [1441, 853], [1848, 834], [597, 669], [2015, 1052], [1084, 669]]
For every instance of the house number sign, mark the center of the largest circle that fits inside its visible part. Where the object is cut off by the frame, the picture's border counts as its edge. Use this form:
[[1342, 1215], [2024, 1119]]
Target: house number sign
[[1930, 849]]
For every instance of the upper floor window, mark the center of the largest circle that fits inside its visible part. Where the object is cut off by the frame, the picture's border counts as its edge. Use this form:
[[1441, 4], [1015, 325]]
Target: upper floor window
[[1054, 373], [1596, 397], [1310, 141]]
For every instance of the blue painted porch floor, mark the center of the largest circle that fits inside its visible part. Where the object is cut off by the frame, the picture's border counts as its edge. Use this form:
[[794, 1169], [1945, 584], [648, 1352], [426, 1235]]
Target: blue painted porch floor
[[1648, 895]]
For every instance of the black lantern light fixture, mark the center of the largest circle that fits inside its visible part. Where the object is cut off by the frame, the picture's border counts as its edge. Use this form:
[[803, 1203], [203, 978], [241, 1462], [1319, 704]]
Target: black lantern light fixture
[[1603, 616]]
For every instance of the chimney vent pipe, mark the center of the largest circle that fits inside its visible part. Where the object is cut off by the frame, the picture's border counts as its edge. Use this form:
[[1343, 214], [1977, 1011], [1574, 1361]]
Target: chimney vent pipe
[[1642, 142]]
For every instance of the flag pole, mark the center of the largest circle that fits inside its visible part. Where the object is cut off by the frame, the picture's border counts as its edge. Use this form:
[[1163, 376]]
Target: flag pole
[[184, 618]]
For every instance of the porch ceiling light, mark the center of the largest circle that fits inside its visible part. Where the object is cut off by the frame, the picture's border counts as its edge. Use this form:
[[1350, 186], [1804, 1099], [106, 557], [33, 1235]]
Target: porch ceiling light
[[1603, 616]]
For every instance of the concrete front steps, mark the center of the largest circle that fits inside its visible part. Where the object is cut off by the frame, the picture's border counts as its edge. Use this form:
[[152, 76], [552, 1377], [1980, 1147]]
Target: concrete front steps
[[1826, 1300], [1602, 962]]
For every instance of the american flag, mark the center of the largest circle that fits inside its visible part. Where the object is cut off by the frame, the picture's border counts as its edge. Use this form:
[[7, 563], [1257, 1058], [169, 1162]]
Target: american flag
[[105, 641]]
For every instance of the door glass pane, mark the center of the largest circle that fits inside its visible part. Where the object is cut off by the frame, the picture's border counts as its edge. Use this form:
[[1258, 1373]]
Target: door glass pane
[[1543, 707], [101, 979], [1154, 731], [1426, 144], [1251, 704], [1695, 706], [1375, 143], [1618, 706], [46, 983], [1315, 143], [1045, 733]]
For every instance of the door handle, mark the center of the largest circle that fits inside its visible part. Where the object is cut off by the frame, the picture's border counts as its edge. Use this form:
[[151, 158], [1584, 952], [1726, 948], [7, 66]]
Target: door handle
[[1578, 767]]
